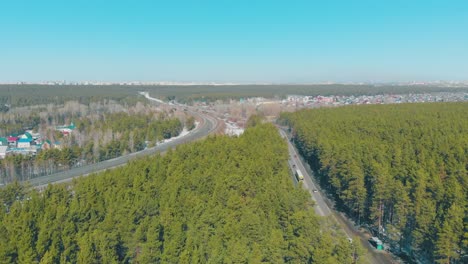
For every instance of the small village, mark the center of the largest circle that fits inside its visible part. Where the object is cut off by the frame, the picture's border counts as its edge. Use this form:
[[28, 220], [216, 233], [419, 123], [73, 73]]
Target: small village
[[30, 143], [236, 112]]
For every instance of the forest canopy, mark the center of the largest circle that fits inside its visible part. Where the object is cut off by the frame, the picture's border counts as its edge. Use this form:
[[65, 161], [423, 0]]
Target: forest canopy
[[221, 200], [400, 168]]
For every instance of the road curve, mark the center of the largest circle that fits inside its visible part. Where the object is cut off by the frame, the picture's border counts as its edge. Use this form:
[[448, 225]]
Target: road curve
[[207, 125]]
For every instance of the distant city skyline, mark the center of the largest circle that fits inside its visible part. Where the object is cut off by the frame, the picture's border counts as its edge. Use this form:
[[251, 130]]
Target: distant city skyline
[[234, 41], [137, 82]]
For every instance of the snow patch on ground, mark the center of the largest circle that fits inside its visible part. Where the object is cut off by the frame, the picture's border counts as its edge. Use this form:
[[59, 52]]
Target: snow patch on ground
[[232, 129], [146, 95], [183, 133]]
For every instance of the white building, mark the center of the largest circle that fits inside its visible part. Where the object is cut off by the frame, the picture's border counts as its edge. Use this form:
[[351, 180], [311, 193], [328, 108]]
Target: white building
[[3, 151], [24, 143]]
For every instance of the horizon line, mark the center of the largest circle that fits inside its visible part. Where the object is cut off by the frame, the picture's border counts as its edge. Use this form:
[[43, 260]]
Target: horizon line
[[218, 83]]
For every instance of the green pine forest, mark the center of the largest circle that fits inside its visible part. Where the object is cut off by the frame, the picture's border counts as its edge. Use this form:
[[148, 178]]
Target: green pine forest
[[220, 200], [402, 167]]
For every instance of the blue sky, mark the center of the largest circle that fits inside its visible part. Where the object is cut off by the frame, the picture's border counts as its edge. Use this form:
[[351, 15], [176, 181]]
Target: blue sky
[[234, 41]]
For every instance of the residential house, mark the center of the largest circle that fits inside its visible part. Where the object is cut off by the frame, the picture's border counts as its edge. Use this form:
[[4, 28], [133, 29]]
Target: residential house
[[26, 135], [12, 141], [24, 142], [66, 130], [3, 141], [35, 136]]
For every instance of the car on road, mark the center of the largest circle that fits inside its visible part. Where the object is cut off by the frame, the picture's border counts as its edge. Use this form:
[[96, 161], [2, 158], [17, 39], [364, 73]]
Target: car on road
[[294, 166], [314, 190]]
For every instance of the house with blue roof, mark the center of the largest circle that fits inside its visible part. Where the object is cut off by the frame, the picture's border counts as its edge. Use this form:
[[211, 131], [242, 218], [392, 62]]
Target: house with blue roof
[[24, 142]]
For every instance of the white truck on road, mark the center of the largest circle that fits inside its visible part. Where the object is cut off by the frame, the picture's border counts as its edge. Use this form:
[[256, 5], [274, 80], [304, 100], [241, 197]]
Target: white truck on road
[[299, 175]]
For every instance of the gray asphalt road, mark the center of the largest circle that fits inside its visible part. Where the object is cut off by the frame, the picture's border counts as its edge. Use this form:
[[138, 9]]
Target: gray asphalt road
[[322, 208], [207, 125]]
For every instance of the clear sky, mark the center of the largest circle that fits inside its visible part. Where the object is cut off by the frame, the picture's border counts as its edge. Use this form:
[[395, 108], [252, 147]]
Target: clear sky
[[234, 41]]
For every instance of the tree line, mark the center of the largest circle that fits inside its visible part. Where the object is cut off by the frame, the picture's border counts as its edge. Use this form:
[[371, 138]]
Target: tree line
[[221, 200], [17, 95], [21, 95], [399, 168]]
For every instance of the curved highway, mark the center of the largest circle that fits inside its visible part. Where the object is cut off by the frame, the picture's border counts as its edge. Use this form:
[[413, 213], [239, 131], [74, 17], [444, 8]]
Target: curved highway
[[207, 125]]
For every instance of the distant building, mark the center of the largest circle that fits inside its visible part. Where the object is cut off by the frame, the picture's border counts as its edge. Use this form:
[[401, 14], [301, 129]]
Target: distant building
[[3, 151], [35, 136], [24, 143], [324, 99], [26, 135], [12, 141], [66, 129], [24, 151], [3, 141]]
